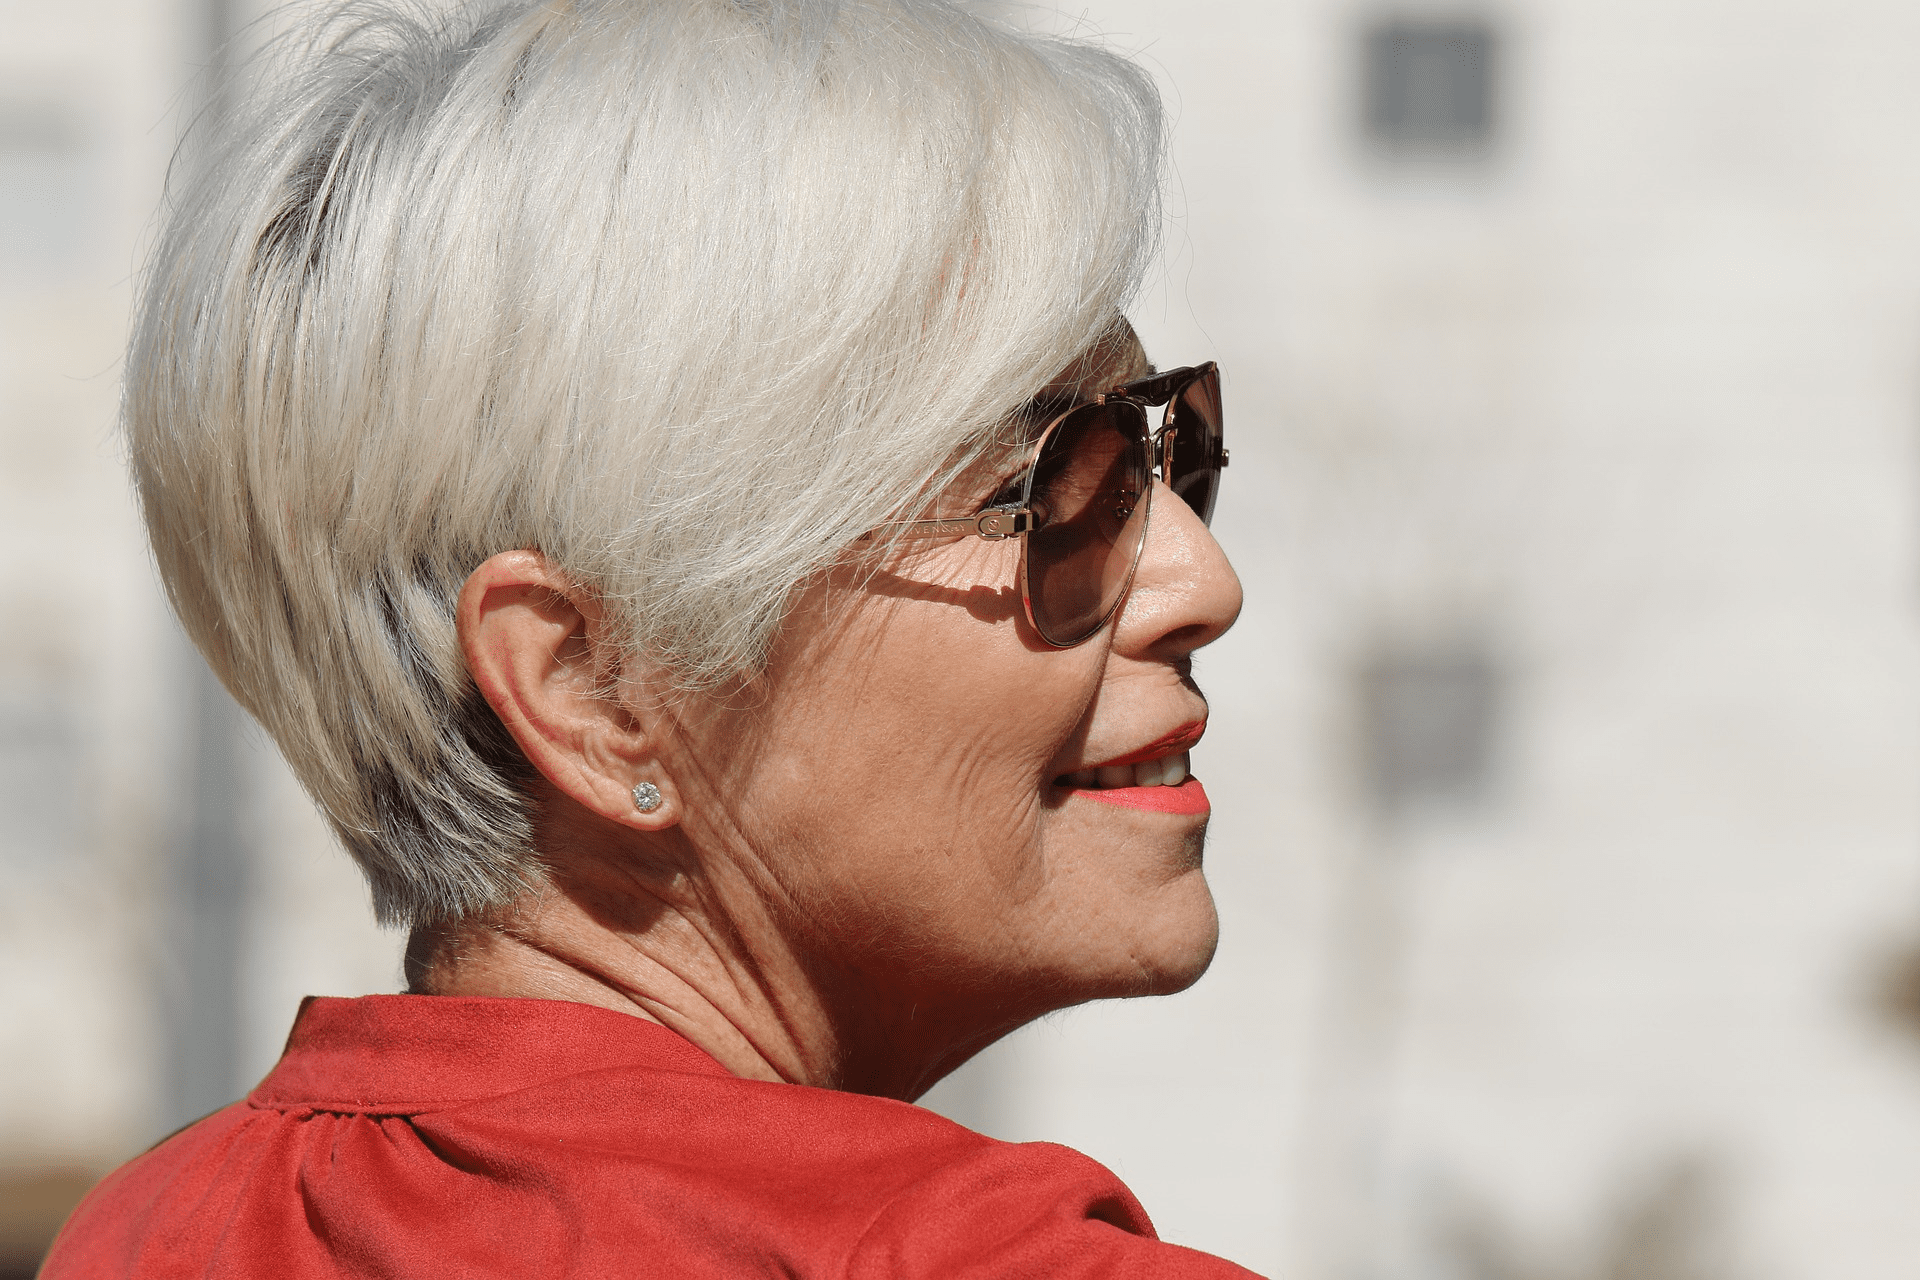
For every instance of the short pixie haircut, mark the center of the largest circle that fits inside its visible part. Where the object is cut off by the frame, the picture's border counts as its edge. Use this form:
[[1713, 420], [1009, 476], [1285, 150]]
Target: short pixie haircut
[[684, 294]]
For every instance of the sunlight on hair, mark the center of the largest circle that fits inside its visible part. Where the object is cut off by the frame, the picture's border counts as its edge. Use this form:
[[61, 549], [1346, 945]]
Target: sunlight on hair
[[686, 295]]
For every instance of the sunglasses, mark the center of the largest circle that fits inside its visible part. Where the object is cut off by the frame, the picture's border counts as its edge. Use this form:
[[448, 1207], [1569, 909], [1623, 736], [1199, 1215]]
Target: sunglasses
[[1081, 504]]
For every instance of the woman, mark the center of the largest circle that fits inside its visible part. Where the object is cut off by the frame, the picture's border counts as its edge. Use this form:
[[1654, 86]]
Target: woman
[[671, 477]]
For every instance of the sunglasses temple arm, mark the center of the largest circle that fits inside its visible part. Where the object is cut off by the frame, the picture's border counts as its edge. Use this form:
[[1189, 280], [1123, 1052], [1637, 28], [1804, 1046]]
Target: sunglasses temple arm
[[1157, 388], [993, 524]]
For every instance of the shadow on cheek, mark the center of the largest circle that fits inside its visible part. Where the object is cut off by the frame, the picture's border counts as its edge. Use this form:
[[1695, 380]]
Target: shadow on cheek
[[988, 604]]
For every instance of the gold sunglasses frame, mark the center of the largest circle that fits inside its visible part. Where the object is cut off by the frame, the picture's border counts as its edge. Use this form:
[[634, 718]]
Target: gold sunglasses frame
[[996, 523]]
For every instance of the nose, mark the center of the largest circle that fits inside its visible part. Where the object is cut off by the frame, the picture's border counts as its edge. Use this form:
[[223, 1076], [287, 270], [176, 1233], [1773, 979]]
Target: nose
[[1184, 594]]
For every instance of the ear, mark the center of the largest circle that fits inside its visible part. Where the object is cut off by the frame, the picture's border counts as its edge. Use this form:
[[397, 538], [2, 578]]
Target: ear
[[536, 645]]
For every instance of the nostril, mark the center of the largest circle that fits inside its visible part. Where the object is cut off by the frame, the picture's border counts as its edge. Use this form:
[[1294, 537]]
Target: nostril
[[1191, 636]]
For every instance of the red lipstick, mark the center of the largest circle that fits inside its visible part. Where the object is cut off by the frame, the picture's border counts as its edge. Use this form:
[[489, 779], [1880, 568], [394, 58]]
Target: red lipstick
[[1185, 738], [1187, 798]]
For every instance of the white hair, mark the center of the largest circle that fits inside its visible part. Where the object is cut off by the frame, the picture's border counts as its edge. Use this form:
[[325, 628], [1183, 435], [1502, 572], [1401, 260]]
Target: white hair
[[685, 294]]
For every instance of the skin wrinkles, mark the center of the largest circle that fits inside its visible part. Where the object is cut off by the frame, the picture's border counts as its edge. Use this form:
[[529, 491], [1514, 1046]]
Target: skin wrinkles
[[862, 871], [753, 964]]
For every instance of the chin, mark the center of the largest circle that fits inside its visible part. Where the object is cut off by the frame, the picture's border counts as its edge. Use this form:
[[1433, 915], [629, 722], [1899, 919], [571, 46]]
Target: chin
[[1172, 951], [1182, 970]]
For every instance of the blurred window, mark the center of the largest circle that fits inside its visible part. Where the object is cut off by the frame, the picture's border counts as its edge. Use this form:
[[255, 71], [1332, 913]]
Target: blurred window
[[1429, 85], [1429, 721]]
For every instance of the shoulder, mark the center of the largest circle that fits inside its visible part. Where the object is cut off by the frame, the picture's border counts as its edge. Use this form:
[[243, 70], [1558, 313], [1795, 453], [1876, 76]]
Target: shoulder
[[158, 1202], [699, 1172], [1023, 1209]]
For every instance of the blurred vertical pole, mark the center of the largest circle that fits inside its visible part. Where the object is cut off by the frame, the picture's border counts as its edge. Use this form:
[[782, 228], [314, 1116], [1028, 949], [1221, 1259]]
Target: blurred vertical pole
[[211, 888], [210, 876]]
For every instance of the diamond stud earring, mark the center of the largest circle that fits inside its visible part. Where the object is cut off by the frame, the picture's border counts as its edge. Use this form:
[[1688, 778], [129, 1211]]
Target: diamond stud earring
[[646, 797]]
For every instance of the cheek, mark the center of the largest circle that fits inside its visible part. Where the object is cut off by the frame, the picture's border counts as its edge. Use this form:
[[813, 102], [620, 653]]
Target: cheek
[[910, 780], [900, 788], [901, 856]]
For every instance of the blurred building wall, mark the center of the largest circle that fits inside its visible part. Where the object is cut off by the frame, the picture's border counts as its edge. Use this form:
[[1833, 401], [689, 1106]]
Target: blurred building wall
[[1589, 446], [123, 1012], [1565, 762], [84, 687]]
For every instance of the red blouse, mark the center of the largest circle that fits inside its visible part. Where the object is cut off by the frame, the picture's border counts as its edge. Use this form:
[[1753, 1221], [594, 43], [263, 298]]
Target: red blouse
[[405, 1136]]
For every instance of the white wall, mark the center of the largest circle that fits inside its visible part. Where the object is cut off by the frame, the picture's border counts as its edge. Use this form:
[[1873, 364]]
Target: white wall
[[1637, 399]]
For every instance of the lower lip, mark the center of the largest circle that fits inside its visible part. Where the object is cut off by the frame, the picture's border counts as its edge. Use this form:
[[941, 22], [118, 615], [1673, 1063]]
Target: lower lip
[[1188, 797]]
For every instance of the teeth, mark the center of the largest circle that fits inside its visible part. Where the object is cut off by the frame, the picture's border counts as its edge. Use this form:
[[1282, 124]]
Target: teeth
[[1170, 771]]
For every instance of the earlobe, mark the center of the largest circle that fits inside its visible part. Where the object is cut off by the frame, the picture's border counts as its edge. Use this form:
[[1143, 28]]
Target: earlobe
[[534, 644], [655, 803], [651, 802]]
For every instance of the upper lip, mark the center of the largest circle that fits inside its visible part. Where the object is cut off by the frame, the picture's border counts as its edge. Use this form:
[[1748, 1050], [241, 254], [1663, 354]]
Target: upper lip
[[1171, 743]]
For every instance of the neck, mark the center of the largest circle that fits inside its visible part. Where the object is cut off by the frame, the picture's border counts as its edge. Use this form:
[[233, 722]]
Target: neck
[[706, 959], [549, 947]]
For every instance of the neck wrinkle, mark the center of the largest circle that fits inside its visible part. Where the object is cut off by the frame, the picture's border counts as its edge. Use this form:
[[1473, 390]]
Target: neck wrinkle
[[667, 972]]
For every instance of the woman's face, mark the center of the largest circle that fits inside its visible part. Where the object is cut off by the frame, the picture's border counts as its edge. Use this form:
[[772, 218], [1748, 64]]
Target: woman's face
[[897, 784]]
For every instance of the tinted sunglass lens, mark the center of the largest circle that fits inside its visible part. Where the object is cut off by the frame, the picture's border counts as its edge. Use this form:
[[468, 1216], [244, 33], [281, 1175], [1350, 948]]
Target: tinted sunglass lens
[[1090, 495], [1194, 469]]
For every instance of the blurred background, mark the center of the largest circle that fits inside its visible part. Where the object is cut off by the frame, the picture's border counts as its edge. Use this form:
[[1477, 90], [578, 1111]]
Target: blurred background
[[1566, 761]]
